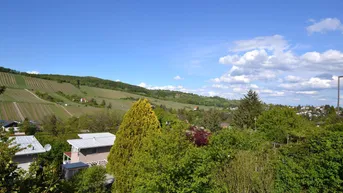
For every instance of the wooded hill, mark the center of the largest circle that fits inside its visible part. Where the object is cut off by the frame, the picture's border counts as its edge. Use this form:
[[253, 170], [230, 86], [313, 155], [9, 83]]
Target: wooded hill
[[176, 96]]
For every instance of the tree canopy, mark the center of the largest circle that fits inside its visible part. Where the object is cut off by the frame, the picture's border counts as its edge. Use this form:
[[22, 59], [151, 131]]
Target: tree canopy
[[139, 122], [250, 107]]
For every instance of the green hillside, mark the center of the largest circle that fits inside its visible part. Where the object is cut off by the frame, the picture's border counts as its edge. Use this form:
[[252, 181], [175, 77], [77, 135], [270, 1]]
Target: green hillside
[[36, 96]]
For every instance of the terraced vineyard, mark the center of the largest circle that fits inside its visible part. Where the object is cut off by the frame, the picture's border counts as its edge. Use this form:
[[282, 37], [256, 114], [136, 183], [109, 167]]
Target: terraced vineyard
[[19, 95], [77, 111], [106, 93], [113, 96], [19, 81], [31, 106], [37, 112], [8, 111], [9, 80], [50, 86]]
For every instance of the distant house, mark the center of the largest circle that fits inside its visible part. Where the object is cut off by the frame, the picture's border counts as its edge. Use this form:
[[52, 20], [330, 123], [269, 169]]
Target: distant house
[[224, 125], [69, 170], [196, 108], [83, 100], [6, 125], [92, 148], [233, 108], [30, 149]]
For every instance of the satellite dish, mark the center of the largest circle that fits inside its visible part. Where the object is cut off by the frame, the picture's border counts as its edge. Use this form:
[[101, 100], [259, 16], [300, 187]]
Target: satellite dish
[[47, 147]]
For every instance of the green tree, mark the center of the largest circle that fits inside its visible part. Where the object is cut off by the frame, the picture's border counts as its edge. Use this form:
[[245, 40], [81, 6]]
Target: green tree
[[2, 89], [249, 109], [103, 103], [90, 180], [282, 124], [212, 120], [9, 175], [102, 121], [314, 165], [28, 128], [42, 177], [51, 124], [138, 122]]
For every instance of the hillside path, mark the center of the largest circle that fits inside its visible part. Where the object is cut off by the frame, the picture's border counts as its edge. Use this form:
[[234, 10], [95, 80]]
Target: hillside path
[[36, 96], [49, 102], [18, 111], [66, 110]]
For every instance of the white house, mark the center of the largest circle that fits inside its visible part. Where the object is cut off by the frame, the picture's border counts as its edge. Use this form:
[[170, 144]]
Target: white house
[[91, 148], [30, 149]]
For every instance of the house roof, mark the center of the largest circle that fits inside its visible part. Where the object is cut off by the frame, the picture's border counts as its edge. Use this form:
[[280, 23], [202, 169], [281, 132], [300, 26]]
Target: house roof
[[92, 140], [68, 154], [10, 123], [29, 144], [74, 165], [92, 135]]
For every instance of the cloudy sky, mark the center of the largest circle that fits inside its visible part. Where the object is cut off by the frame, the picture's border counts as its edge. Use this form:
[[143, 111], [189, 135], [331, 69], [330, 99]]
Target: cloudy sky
[[290, 52]]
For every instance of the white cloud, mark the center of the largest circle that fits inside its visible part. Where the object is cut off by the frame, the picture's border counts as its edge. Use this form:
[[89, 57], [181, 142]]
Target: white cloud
[[117, 80], [211, 93], [307, 92], [322, 99], [312, 83], [291, 78], [232, 79], [142, 84], [253, 86], [167, 87], [32, 72], [325, 25], [328, 61], [178, 78], [276, 42]]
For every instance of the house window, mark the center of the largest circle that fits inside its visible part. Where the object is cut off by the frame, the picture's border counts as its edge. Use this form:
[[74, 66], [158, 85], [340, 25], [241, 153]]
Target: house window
[[92, 150]]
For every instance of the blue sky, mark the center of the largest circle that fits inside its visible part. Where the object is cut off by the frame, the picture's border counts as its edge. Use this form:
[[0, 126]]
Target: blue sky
[[290, 52]]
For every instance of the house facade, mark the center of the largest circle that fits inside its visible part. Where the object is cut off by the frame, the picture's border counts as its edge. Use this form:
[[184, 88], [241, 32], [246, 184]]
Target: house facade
[[30, 148], [91, 149]]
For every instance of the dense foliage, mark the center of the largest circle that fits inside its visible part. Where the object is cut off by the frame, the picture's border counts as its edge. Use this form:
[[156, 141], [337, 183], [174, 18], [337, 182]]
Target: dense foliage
[[9, 175], [46, 96], [90, 180], [250, 107], [138, 123]]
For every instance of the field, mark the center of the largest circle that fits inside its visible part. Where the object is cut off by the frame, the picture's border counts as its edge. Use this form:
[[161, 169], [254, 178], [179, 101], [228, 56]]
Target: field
[[8, 80], [50, 86], [18, 81], [8, 111], [77, 111], [19, 95], [36, 109], [37, 112], [113, 96]]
